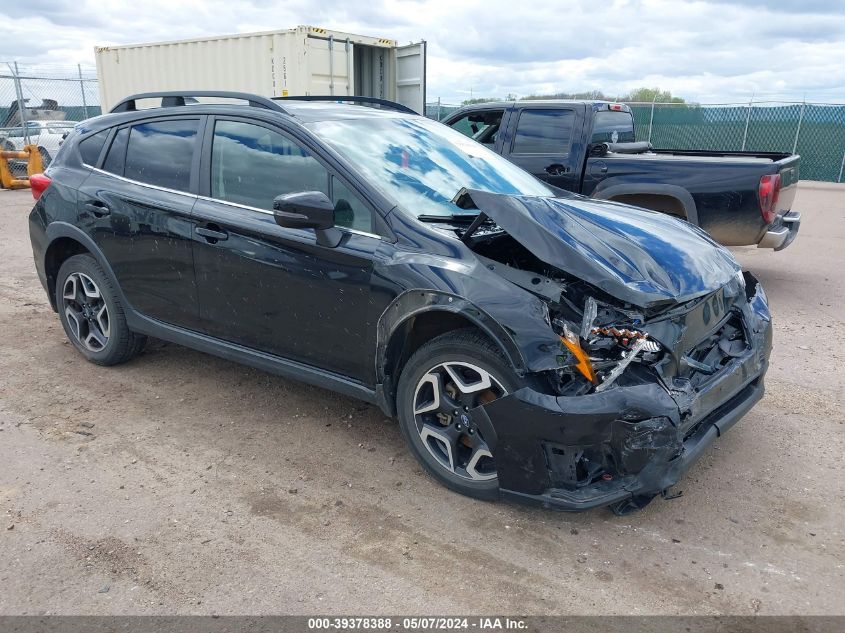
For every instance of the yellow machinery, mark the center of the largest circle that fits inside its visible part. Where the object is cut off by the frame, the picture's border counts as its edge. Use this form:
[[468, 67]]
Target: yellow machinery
[[34, 165]]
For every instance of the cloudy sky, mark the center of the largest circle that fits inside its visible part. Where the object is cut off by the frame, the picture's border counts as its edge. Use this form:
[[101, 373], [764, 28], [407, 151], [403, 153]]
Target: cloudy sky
[[707, 51]]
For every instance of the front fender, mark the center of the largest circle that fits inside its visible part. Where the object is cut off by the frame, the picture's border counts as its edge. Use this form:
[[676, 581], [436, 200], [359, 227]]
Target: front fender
[[412, 303]]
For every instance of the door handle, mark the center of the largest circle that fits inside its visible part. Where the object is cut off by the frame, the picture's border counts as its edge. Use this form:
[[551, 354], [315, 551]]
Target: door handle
[[98, 208], [556, 169], [212, 235]]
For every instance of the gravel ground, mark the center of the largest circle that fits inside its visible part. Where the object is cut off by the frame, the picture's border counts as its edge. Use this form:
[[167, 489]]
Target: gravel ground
[[182, 483]]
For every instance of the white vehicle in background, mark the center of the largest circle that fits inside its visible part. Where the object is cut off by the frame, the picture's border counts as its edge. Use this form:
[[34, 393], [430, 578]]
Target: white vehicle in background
[[45, 133]]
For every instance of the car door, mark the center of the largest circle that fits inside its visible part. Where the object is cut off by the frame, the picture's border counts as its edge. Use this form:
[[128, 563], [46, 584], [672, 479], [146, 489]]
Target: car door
[[541, 142], [270, 288], [136, 204]]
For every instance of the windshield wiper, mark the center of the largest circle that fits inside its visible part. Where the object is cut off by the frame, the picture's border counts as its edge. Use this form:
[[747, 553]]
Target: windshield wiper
[[456, 218]]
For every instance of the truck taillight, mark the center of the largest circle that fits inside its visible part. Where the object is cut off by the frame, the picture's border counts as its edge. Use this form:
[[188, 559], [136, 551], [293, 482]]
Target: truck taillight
[[38, 183], [767, 194], [616, 107]]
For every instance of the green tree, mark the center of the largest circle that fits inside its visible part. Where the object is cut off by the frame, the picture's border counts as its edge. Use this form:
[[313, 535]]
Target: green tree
[[479, 100], [592, 95], [647, 95]]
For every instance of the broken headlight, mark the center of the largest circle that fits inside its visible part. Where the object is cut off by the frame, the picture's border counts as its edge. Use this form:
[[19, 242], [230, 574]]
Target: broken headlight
[[607, 343]]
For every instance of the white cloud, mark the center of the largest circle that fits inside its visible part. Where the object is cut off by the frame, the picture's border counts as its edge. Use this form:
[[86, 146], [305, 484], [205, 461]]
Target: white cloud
[[706, 51]]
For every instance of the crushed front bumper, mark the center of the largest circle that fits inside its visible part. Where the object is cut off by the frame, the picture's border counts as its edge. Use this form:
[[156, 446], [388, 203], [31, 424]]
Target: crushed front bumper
[[783, 232], [625, 445]]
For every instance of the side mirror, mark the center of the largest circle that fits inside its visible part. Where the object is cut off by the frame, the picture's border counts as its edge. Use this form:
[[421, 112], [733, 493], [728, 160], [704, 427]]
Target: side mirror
[[308, 210]]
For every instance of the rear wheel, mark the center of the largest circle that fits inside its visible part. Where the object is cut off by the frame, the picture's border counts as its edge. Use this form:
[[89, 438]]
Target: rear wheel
[[440, 385], [92, 315]]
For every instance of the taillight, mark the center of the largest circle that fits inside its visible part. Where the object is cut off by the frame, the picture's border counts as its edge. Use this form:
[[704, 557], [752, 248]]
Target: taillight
[[616, 107], [38, 183], [767, 194]]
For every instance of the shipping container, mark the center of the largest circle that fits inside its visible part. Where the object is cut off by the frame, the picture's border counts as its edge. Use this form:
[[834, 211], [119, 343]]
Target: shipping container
[[300, 61]]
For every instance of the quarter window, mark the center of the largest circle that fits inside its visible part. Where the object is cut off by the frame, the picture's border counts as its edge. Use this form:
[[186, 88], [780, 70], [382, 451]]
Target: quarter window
[[90, 148], [160, 153], [543, 132], [116, 157]]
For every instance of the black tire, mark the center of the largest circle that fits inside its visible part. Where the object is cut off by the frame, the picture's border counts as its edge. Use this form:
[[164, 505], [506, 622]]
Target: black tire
[[459, 346], [120, 343]]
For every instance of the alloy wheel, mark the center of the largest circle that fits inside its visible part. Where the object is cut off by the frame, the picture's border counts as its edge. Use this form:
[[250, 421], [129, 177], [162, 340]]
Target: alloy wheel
[[86, 312], [443, 400]]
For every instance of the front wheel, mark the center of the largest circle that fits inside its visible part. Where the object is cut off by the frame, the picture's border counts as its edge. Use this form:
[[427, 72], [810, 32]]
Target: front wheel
[[440, 385]]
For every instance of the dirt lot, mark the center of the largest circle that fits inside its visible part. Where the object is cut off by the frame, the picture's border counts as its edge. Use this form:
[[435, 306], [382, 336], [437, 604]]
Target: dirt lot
[[181, 483]]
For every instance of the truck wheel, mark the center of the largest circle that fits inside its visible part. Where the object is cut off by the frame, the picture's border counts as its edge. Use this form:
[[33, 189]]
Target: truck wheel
[[439, 385], [91, 313]]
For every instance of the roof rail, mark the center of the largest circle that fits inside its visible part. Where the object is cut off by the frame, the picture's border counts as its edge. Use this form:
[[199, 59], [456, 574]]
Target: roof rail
[[183, 97], [389, 105]]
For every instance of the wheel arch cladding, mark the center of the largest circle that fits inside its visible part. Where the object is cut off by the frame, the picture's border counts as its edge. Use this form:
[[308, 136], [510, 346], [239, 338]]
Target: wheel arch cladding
[[59, 251], [417, 316], [63, 235]]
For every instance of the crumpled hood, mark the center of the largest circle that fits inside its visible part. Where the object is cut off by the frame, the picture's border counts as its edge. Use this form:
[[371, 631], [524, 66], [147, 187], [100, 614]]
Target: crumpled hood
[[638, 256]]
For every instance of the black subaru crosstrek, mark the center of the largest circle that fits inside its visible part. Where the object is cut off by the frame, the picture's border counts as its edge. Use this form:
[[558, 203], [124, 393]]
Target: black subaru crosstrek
[[531, 342]]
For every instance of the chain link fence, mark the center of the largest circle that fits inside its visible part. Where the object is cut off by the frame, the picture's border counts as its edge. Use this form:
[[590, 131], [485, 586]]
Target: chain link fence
[[39, 104], [815, 131]]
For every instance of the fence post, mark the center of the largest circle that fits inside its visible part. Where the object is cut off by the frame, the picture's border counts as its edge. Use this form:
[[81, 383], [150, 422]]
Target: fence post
[[651, 119], [19, 96], [798, 130], [82, 88], [747, 121], [841, 167]]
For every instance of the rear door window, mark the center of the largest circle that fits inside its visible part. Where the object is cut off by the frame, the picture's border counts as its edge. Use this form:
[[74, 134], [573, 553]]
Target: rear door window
[[544, 131], [160, 153]]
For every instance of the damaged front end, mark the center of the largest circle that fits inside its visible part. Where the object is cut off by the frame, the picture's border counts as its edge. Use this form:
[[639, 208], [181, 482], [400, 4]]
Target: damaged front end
[[648, 370]]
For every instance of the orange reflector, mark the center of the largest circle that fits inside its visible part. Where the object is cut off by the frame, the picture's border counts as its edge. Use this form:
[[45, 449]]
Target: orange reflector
[[583, 365]]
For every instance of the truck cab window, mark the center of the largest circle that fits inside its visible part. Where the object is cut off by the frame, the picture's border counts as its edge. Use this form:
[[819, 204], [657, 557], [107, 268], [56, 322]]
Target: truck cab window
[[543, 131], [480, 126], [608, 122]]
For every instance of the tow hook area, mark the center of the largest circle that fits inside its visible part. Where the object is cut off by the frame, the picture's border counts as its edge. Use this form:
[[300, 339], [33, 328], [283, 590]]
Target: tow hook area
[[631, 505], [638, 502], [667, 494]]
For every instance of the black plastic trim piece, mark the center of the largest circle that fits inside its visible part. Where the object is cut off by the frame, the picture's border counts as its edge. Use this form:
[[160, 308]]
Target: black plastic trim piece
[[390, 105], [254, 358], [178, 98]]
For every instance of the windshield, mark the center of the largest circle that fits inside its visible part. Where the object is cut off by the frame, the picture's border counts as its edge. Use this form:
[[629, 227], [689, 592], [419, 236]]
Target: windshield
[[421, 164]]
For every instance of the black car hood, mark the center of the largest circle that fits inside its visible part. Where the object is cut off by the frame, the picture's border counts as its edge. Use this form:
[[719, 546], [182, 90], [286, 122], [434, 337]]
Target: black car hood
[[641, 257]]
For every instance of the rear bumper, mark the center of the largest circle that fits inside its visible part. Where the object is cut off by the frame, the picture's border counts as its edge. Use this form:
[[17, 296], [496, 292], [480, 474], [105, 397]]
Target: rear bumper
[[783, 232]]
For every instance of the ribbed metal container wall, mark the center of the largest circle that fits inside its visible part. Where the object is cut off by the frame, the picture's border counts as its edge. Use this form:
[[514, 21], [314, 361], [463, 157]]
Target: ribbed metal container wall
[[298, 61]]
